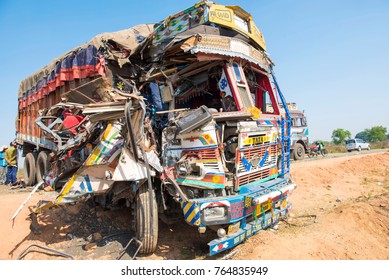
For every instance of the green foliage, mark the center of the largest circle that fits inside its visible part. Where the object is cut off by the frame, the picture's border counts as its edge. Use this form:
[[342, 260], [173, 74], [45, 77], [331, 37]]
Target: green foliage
[[364, 135], [377, 133], [333, 149], [339, 135], [374, 134]]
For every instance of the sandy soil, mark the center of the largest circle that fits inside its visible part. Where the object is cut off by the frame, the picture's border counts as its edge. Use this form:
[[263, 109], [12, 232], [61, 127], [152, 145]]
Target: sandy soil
[[340, 211]]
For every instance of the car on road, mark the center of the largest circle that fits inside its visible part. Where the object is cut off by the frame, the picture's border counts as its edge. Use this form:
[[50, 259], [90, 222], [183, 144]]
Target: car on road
[[357, 145]]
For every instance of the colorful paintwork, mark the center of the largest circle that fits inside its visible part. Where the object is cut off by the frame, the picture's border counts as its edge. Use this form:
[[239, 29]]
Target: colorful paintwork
[[109, 147], [228, 168], [205, 138], [221, 244], [236, 19], [236, 210], [91, 177], [201, 183], [181, 22], [231, 17], [79, 186], [267, 203], [191, 213], [266, 122]]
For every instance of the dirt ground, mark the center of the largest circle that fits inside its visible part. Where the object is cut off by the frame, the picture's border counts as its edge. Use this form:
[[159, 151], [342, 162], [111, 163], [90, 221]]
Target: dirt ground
[[340, 211]]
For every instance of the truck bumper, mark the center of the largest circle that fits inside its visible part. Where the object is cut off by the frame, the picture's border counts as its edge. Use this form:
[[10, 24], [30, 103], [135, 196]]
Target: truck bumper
[[221, 244], [257, 207]]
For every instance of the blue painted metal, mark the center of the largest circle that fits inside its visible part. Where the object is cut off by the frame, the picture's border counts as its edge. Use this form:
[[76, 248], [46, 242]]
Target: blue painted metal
[[221, 244], [285, 133]]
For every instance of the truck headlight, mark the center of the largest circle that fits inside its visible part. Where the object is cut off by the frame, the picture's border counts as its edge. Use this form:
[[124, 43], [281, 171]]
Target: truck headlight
[[213, 214]]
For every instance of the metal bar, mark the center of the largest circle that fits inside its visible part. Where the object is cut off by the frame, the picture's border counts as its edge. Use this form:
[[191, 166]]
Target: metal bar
[[83, 95], [175, 184], [22, 254], [27, 199], [127, 113], [128, 244]]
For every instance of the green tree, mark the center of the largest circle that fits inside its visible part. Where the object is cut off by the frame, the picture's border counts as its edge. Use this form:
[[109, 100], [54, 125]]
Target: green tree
[[364, 135], [376, 133], [339, 135]]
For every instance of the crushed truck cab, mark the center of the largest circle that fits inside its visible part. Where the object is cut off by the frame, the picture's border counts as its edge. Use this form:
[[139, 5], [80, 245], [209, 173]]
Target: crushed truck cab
[[171, 120]]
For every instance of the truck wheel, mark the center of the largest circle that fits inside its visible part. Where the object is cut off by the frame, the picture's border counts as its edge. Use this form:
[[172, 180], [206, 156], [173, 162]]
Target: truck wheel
[[41, 166], [29, 169], [298, 151], [146, 224]]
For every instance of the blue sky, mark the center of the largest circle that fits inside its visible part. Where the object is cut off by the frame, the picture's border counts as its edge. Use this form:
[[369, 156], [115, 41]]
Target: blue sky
[[332, 57]]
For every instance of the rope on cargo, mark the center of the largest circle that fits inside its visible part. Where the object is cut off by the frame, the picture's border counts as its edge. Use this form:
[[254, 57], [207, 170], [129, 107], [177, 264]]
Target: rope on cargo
[[300, 217], [22, 254]]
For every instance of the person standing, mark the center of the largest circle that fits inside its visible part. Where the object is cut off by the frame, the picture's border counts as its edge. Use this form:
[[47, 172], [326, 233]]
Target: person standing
[[11, 158], [3, 165]]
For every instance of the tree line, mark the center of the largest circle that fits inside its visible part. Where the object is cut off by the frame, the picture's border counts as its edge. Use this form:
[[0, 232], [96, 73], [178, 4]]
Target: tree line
[[373, 135]]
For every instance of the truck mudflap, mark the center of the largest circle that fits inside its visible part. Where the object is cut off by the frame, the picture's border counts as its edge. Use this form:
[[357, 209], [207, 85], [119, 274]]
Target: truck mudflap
[[242, 233]]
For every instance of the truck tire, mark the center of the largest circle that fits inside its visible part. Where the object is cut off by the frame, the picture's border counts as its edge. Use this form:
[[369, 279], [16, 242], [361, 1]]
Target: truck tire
[[146, 224], [298, 151], [29, 169], [41, 166]]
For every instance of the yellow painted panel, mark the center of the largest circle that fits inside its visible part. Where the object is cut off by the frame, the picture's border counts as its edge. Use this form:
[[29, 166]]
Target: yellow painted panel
[[222, 15], [266, 207], [233, 228], [255, 112], [192, 215], [187, 207]]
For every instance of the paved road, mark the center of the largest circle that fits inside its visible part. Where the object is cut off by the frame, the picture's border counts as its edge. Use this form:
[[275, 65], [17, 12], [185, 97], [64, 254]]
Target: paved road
[[335, 155]]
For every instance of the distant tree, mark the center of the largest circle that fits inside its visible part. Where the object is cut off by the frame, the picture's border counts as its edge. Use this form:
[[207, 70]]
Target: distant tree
[[339, 135], [376, 133], [364, 135]]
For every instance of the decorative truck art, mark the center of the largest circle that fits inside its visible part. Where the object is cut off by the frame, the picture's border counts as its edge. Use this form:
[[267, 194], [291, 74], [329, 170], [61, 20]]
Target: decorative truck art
[[299, 145], [168, 119]]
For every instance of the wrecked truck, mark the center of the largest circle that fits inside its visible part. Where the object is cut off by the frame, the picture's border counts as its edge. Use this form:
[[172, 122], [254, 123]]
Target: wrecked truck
[[167, 119]]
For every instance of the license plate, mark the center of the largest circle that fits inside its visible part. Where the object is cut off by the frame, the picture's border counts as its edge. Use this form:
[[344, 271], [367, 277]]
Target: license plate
[[284, 204], [233, 228], [266, 207]]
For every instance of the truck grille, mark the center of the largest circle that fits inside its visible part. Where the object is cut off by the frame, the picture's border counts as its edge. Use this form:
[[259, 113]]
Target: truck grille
[[252, 177], [254, 156], [210, 158]]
